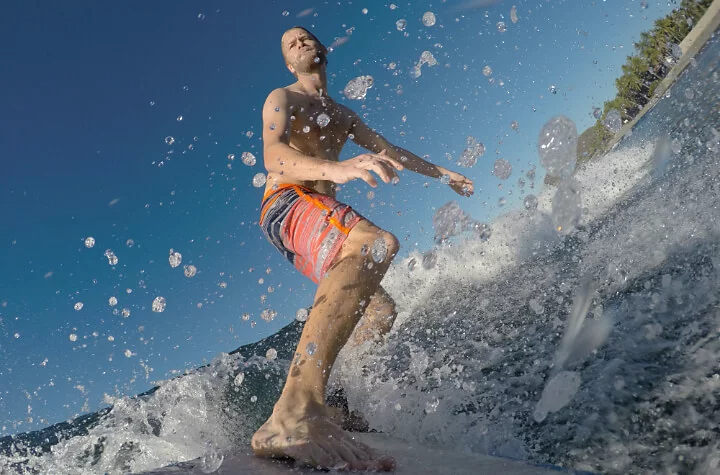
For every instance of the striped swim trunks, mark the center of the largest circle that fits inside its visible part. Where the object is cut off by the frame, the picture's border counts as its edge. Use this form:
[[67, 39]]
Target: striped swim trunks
[[307, 227]]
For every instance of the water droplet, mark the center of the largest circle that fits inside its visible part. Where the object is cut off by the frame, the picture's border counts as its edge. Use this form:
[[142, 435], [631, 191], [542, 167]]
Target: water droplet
[[125, 312], [285, 13], [401, 24], [175, 258], [310, 348], [72, 337], [364, 11], [128, 353], [552, 89], [567, 206], [613, 121], [501, 27], [411, 264], [530, 202], [112, 301], [514, 125], [487, 71], [271, 354], [249, 134], [323, 119], [302, 315], [502, 169], [169, 140], [78, 306], [689, 94], [201, 16], [130, 243], [89, 242], [180, 118], [268, 315], [190, 271], [111, 257], [357, 88], [306, 129], [597, 112], [239, 378], [379, 250], [557, 146], [445, 179], [259, 180], [513, 14], [429, 260], [212, 458], [159, 304], [429, 19], [248, 159], [470, 155]]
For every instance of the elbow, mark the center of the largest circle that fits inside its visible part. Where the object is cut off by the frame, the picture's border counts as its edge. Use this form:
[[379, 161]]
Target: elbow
[[271, 159]]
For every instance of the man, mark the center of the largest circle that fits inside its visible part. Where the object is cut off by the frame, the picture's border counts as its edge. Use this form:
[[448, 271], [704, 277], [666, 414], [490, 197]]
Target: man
[[304, 131]]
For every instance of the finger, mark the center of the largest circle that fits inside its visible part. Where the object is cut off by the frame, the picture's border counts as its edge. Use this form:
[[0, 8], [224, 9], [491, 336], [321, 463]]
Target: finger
[[367, 177], [388, 172], [393, 162]]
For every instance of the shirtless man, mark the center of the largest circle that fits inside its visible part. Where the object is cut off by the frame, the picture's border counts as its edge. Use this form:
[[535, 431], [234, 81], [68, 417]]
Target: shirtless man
[[304, 131]]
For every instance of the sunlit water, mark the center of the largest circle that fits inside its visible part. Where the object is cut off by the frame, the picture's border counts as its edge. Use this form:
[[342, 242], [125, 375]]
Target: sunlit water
[[595, 348]]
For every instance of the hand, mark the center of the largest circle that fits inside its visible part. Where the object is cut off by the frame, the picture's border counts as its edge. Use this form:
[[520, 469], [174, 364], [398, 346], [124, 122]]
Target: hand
[[460, 184], [360, 167]]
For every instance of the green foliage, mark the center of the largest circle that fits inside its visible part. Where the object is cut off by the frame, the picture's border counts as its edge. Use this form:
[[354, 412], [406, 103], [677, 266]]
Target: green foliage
[[643, 71]]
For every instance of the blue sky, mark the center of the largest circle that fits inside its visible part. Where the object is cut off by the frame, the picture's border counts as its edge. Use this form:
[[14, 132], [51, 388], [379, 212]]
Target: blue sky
[[90, 90]]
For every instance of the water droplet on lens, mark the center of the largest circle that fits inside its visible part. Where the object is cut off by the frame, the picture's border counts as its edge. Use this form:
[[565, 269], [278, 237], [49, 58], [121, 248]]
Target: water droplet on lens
[[89, 242], [501, 27], [613, 121], [271, 354], [401, 24], [310, 348], [78, 306], [487, 71], [530, 202], [212, 458], [502, 169], [445, 179], [513, 14], [557, 146]]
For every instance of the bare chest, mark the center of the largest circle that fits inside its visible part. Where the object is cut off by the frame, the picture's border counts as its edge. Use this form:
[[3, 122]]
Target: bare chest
[[320, 128]]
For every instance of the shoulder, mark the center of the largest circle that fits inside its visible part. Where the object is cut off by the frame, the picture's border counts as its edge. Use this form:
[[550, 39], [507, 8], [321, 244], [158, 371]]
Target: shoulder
[[278, 95]]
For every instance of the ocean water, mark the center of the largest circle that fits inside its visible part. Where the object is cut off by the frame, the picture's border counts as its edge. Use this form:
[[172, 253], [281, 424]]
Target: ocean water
[[597, 347]]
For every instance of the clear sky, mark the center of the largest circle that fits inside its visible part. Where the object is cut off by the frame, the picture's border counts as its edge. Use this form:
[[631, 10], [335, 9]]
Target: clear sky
[[90, 91]]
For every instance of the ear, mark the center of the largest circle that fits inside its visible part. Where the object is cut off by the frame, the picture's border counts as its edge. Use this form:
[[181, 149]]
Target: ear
[[290, 68]]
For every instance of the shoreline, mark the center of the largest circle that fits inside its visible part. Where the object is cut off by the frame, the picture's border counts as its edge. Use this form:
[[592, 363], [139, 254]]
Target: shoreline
[[690, 47]]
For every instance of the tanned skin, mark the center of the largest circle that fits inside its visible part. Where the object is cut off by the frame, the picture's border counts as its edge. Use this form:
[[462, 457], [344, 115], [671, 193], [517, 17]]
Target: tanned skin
[[299, 150]]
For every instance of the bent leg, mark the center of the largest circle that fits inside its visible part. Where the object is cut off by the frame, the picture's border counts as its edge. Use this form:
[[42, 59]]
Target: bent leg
[[300, 426], [378, 319]]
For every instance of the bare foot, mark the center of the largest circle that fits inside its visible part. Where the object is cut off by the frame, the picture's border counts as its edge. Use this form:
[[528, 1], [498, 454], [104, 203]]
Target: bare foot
[[311, 437]]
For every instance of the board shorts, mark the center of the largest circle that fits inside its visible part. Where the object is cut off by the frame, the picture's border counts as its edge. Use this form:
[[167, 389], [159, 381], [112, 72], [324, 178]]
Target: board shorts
[[307, 227]]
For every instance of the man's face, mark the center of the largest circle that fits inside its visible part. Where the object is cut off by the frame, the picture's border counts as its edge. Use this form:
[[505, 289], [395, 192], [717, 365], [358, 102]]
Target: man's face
[[302, 52]]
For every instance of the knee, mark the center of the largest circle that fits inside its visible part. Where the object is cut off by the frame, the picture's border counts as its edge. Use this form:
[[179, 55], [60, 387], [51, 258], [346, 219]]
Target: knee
[[391, 244]]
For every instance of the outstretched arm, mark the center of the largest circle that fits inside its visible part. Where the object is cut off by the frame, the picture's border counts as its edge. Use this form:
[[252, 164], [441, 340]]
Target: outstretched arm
[[376, 143]]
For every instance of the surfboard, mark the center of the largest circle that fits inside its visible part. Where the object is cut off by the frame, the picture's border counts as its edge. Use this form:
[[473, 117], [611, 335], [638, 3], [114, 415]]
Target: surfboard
[[410, 458]]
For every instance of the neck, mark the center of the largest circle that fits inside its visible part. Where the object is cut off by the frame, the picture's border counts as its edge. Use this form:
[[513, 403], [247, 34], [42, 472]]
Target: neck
[[314, 83]]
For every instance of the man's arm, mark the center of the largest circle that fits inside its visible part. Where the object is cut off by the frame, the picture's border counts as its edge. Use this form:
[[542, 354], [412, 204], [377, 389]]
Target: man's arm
[[376, 143], [278, 155]]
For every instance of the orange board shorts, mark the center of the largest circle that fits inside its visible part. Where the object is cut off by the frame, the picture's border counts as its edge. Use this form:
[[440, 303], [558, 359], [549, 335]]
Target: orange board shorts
[[307, 227]]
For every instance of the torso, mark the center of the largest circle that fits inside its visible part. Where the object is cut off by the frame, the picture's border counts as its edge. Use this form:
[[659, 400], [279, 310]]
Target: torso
[[308, 137]]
